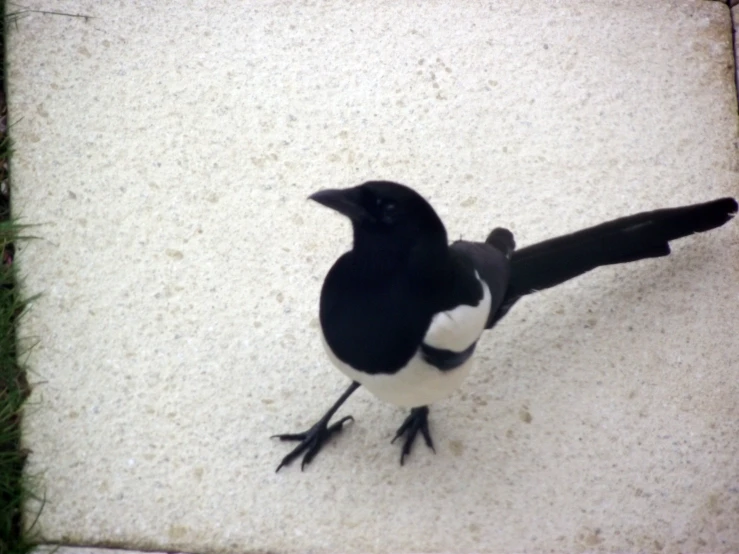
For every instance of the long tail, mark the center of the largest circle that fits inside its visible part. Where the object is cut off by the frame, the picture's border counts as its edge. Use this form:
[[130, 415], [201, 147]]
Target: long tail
[[628, 239]]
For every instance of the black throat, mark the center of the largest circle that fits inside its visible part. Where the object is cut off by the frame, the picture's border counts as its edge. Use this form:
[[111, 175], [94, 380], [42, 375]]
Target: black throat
[[378, 255]]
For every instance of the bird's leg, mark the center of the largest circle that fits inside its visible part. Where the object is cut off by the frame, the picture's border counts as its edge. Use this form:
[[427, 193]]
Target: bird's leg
[[417, 420], [312, 440]]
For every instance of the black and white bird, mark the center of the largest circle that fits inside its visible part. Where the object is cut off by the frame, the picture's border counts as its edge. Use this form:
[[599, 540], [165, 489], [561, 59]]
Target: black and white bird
[[402, 311]]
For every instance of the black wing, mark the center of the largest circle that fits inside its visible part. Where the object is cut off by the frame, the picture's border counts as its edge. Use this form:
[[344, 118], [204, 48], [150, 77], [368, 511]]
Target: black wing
[[491, 260]]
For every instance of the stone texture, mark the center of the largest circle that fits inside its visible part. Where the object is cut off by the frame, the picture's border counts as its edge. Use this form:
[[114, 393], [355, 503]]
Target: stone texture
[[167, 150]]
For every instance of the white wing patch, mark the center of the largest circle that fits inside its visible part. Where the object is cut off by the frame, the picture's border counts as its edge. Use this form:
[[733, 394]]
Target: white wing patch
[[457, 329]]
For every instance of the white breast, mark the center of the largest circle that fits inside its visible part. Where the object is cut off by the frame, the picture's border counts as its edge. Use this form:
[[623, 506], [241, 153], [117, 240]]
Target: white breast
[[418, 383]]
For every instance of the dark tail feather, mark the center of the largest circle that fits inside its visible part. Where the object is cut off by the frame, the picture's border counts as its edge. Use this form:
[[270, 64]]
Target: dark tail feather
[[502, 239], [636, 237]]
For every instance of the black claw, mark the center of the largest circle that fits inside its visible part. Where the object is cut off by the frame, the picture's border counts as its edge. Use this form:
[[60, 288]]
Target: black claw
[[416, 421], [311, 441], [427, 437]]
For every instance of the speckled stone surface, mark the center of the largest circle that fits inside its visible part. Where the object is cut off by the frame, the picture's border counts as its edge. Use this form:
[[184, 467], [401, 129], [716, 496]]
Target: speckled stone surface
[[167, 150]]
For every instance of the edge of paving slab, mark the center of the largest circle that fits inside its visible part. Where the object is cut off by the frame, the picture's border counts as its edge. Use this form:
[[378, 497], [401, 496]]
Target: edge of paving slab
[[52, 549], [734, 15], [16, 486], [66, 549]]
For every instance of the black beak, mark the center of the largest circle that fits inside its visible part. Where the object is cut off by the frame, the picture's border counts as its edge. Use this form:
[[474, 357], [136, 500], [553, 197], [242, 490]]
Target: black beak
[[344, 201]]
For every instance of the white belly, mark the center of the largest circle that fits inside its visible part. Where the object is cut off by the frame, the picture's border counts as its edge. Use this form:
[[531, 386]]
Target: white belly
[[417, 384]]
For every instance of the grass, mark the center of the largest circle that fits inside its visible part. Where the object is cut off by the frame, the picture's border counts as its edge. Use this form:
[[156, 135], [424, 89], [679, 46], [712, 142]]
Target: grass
[[14, 388]]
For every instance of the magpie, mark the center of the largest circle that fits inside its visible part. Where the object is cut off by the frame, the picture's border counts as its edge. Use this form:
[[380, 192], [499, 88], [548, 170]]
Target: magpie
[[402, 311]]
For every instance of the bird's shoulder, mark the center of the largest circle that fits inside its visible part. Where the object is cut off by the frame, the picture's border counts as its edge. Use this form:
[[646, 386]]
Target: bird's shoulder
[[488, 263]]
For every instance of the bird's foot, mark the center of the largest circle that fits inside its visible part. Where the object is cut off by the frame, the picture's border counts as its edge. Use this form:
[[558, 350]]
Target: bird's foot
[[311, 441], [417, 420]]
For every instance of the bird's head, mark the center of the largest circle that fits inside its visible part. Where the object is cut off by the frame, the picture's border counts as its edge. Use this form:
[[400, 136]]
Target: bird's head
[[387, 217]]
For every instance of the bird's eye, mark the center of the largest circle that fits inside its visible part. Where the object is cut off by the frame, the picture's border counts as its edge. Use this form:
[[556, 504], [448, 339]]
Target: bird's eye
[[389, 212]]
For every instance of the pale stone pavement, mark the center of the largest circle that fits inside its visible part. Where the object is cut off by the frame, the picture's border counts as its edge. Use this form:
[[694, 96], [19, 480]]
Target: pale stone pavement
[[167, 150]]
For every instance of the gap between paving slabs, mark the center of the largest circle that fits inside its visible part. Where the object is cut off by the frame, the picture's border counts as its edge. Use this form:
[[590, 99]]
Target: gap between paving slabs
[[15, 487]]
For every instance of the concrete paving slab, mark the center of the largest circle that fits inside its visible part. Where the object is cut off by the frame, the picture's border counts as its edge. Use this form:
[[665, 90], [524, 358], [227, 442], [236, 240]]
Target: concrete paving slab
[[168, 148]]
